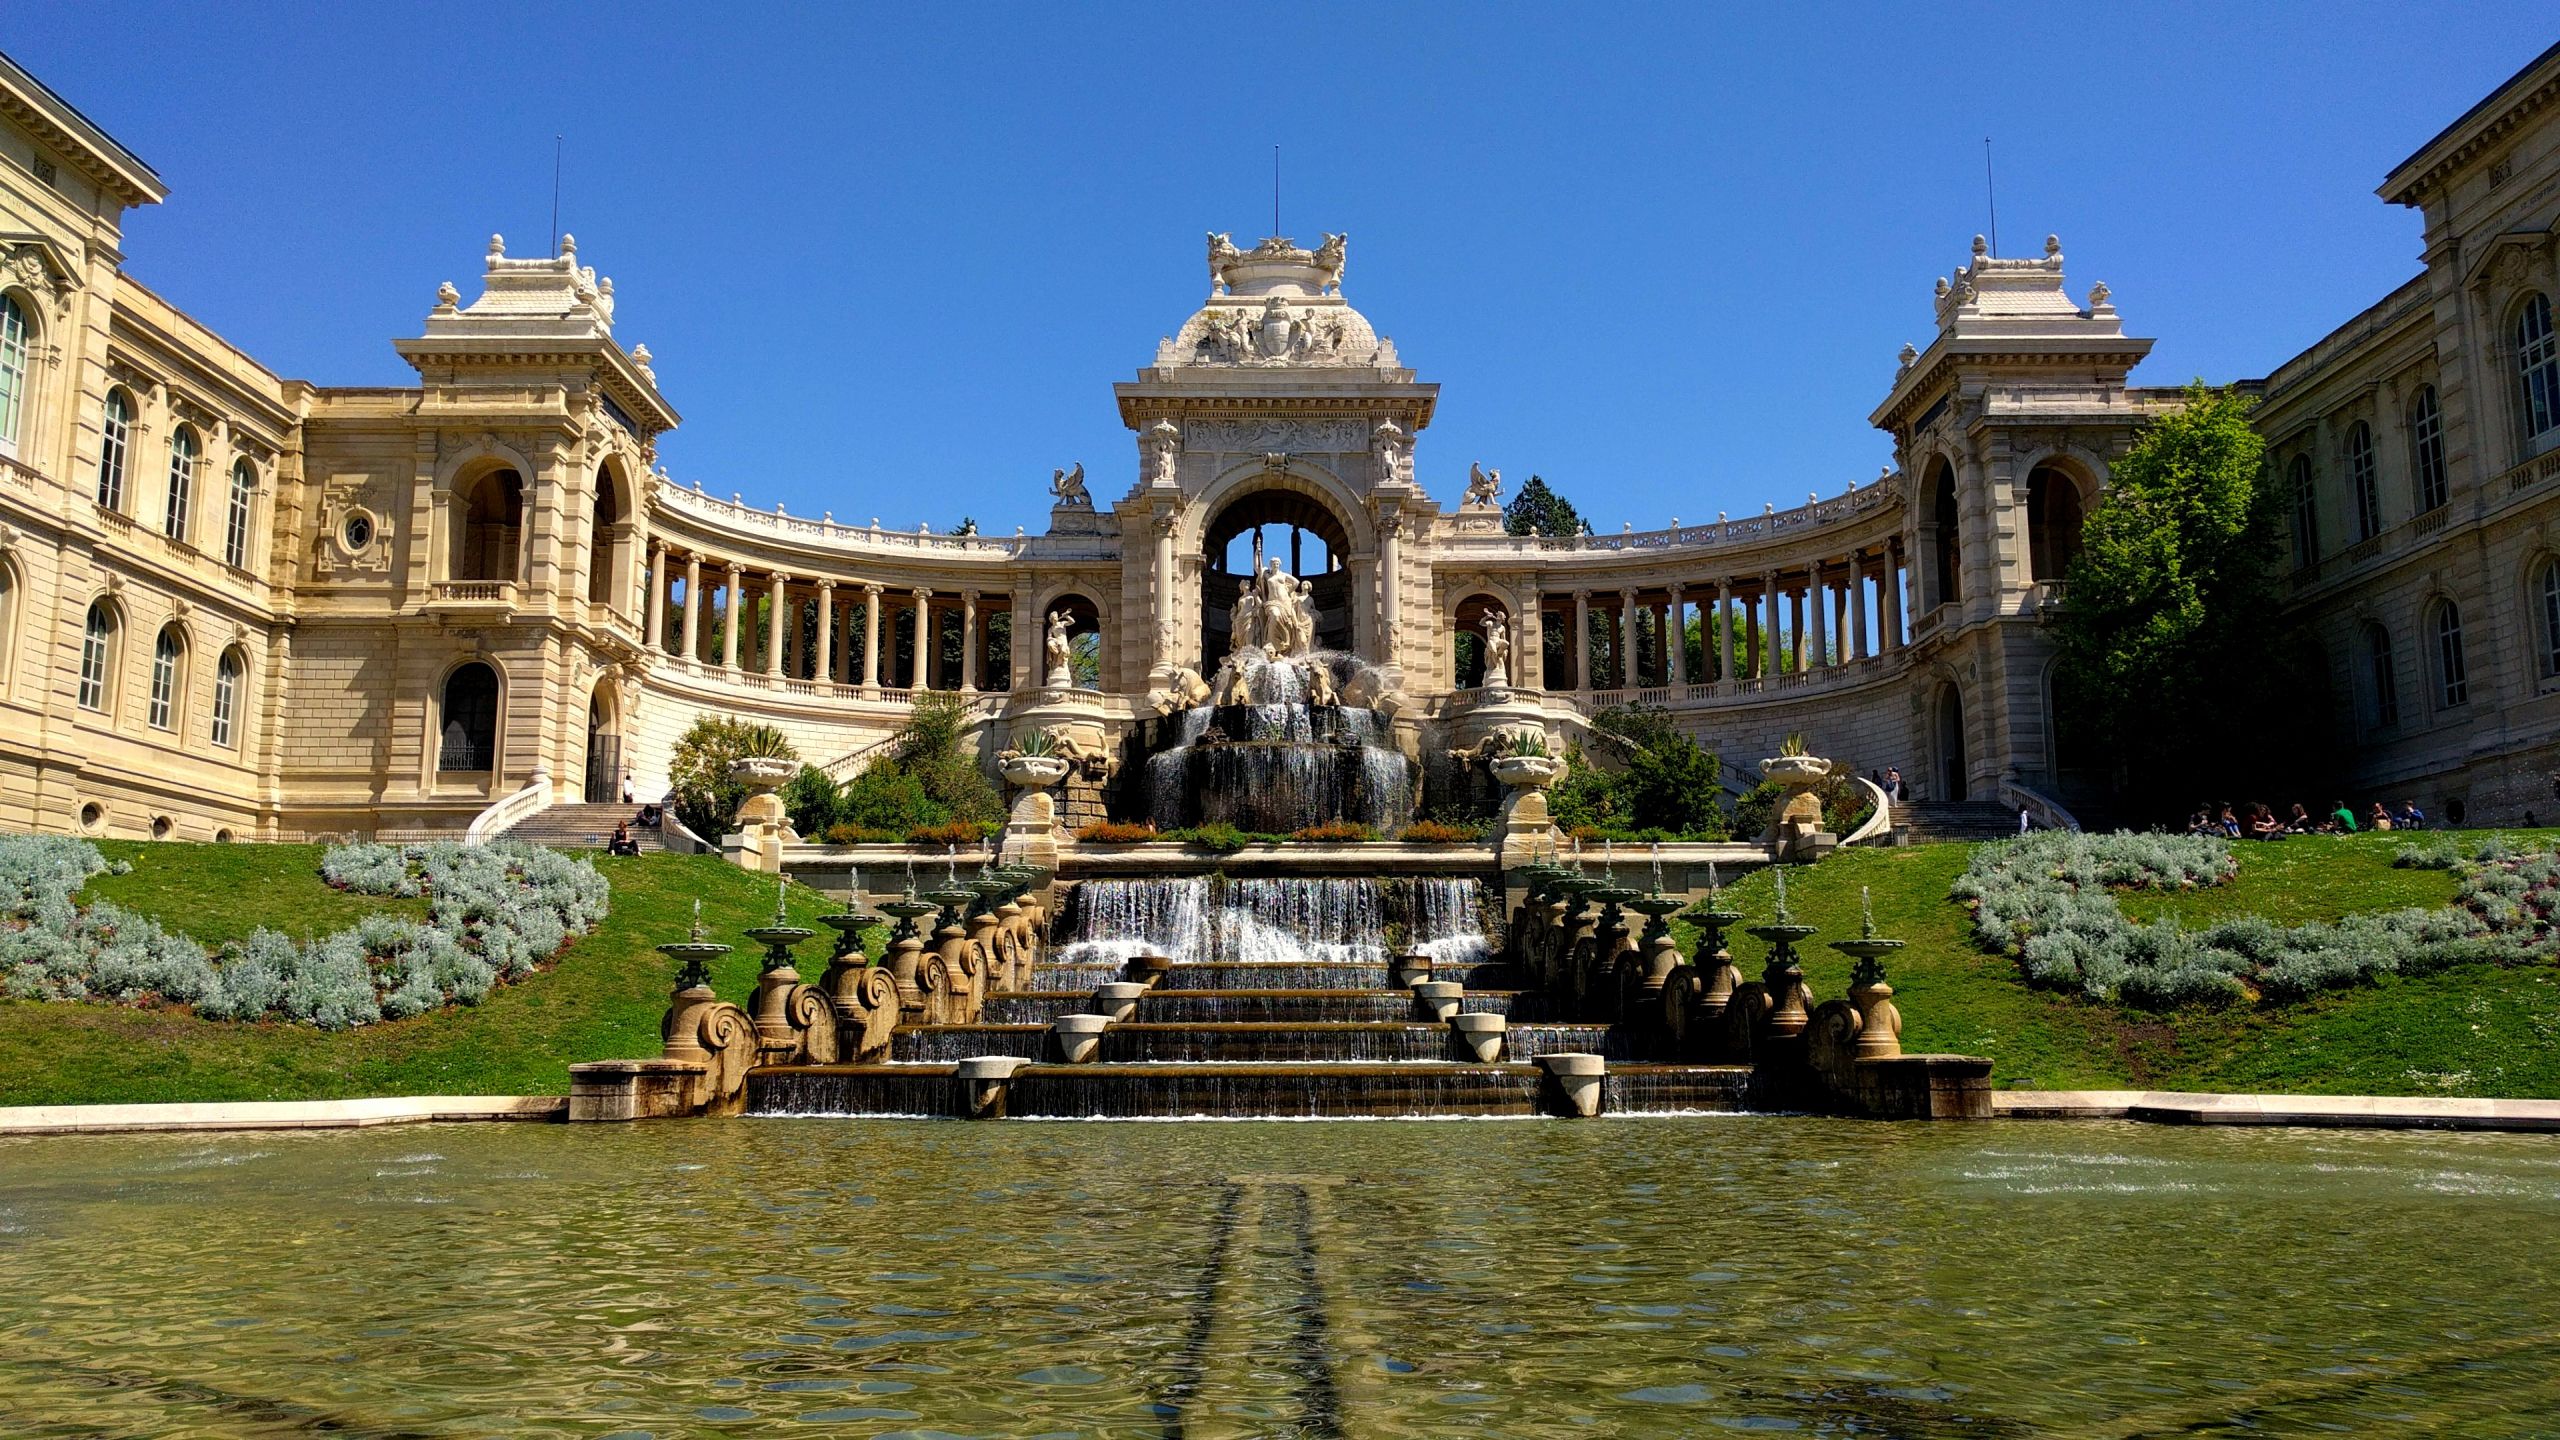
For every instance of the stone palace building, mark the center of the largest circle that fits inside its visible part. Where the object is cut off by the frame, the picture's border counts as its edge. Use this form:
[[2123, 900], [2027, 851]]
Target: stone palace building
[[236, 605]]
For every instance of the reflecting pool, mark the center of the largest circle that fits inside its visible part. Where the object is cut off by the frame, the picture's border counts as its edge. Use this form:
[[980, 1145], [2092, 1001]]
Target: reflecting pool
[[1625, 1278]]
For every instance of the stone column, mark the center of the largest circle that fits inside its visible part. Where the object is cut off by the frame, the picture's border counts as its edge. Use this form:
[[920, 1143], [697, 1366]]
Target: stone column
[[922, 678], [1889, 601], [1165, 620], [826, 667], [1582, 640], [729, 619], [773, 626], [1626, 676], [657, 621], [1538, 636], [1817, 599], [1676, 635], [692, 609], [968, 640], [1724, 632], [1769, 601], [870, 637], [1390, 546]]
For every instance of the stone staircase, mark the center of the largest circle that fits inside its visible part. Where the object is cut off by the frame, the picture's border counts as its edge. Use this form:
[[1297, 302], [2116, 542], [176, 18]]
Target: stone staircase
[[582, 827], [1930, 822]]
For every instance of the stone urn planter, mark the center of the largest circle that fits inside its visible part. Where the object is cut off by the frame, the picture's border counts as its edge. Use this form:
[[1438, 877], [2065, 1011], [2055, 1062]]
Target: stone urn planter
[[763, 826], [1528, 772], [1795, 828], [1035, 772]]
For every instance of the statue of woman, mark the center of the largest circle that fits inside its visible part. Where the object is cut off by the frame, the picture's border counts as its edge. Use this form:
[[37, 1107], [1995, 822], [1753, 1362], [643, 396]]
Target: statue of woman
[[1244, 622], [1061, 671], [1497, 649]]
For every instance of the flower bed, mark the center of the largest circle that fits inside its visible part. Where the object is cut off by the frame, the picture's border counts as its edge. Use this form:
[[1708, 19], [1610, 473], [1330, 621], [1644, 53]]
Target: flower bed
[[2048, 900], [493, 913]]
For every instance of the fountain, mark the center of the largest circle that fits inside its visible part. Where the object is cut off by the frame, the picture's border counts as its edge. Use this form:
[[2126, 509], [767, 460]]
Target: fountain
[[1783, 978], [1879, 1024], [1285, 738]]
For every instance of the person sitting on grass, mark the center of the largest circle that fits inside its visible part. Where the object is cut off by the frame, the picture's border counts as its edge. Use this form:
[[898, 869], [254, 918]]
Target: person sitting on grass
[[649, 817], [2411, 817], [2342, 821], [622, 843], [2263, 824], [2378, 818], [2301, 823]]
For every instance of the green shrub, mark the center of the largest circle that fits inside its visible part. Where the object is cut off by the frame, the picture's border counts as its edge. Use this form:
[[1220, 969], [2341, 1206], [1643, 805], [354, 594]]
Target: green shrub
[[706, 798], [886, 798], [813, 801]]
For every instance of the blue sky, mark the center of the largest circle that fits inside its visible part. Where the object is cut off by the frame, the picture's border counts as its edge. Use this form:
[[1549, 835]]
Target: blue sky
[[891, 258]]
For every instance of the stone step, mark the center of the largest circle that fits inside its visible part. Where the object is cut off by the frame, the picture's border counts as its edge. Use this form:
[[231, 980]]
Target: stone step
[[582, 827], [1272, 1090]]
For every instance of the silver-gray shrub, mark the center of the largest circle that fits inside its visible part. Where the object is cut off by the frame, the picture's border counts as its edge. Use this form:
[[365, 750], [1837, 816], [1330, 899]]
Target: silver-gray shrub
[[2048, 900], [493, 911]]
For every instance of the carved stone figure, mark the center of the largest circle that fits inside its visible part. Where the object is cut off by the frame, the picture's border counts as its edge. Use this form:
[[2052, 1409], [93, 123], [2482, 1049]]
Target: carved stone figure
[[1388, 445], [1061, 665], [1159, 452], [1244, 622], [1068, 486], [1222, 253], [1497, 649], [1331, 257], [1484, 487]]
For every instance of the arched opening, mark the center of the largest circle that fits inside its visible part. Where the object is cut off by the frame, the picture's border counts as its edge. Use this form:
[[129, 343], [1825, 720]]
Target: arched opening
[[1938, 534], [101, 637], [2537, 352], [1950, 725], [8, 624], [604, 539], [604, 749], [185, 452], [1084, 657], [490, 535], [1467, 650], [2381, 679], [228, 675], [467, 723], [168, 679], [17, 372], [1300, 532], [2055, 512], [238, 518]]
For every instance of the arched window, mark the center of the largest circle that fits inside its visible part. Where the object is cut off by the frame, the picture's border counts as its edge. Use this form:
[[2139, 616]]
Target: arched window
[[2306, 515], [2382, 685], [115, 446], [1946, 584], [485, 543], [2426, 448], [2453, 685], [226, 697], [2360, 481], [469, 723], [98, 657], [8, 623], [2054, 518], [601, 539], [2538, 366], [183, 454], [168, 678], [2546, 595], [15, 377], [235, 530]]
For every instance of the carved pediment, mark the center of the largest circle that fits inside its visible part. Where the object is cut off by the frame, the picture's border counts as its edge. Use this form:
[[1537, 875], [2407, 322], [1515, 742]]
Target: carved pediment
[[40, 267]]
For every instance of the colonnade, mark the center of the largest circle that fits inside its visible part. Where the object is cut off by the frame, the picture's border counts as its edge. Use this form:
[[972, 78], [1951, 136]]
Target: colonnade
[[1755, 626], [818, 629]]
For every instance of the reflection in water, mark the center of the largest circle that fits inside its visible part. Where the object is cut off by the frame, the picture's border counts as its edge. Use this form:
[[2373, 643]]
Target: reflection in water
[[1638, 1277]]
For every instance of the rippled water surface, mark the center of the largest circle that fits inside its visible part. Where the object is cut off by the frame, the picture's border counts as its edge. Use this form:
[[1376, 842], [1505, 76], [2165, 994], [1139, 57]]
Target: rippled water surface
[[1633, 1277]]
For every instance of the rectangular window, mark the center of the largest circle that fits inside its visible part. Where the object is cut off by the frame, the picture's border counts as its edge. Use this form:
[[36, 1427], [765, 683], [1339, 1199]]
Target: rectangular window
[[2426, 445], [93, 669], [226, 698], [164, 685], [2386, 688], [2456, 686]]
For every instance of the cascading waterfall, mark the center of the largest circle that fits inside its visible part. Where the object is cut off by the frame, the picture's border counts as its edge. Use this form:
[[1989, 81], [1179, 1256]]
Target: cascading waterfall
[[1283, 760], [1276, 922]]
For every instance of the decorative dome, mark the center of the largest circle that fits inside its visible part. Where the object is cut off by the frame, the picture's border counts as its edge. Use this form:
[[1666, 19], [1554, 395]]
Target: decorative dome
[[1277, 305]]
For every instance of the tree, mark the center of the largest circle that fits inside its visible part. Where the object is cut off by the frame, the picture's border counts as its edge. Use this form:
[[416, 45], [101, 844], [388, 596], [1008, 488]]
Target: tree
[[2169, 669], [812, 801], [707, 799], [1538, 510], [1664, 784]]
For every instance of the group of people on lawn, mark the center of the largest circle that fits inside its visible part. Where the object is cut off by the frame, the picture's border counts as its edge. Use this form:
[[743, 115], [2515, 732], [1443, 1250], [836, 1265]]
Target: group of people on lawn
[[2260, 822]]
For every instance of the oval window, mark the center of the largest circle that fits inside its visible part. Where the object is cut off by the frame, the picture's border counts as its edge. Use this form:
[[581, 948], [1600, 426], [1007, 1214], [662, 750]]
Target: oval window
[[359, 531]]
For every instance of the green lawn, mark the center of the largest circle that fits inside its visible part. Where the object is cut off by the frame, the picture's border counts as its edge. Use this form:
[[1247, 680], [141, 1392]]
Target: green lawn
[[602, 999], [2474, 1030], [2477, 1030]]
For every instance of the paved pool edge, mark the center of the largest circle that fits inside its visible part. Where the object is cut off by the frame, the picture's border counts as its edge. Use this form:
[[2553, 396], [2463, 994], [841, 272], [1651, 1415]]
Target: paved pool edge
[[2336, 1112], [278, 1114]]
